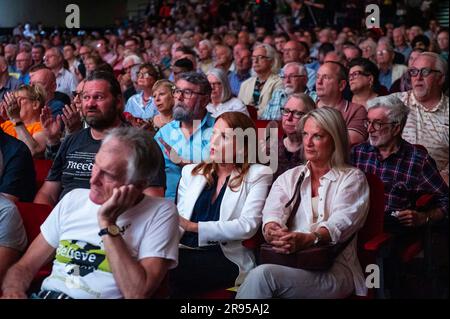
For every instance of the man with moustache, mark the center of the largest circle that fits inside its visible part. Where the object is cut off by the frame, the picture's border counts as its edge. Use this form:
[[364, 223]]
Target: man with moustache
[[102, 105], [294, 78], [427, 122], [406, 170], [186, 139]]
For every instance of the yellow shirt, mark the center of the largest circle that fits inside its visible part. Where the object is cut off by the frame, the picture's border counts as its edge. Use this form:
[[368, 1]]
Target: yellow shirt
[[9, 128]]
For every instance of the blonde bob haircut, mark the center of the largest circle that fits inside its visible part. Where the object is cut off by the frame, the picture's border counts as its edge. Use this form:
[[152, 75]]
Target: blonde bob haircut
[[331, 120]]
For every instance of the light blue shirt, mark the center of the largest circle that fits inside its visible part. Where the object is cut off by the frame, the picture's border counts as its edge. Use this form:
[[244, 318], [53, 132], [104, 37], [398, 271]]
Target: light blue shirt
[[311, 69], [279, 99], [136, 108], [385, 78], [195, 149]]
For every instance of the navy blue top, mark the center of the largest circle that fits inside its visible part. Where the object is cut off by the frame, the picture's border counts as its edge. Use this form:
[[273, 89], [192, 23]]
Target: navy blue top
[[205, 210], [18, 178]]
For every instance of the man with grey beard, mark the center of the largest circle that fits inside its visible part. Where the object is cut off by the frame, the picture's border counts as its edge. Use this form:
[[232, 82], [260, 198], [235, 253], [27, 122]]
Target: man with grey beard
[[101, 108], [186, 138], [294, 78]]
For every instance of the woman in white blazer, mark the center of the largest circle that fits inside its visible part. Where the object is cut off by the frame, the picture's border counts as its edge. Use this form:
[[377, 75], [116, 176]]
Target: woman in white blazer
[[334, 202], [220, 204]]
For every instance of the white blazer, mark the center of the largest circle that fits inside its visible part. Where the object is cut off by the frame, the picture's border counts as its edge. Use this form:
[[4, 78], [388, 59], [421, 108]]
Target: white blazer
[[240, 213]]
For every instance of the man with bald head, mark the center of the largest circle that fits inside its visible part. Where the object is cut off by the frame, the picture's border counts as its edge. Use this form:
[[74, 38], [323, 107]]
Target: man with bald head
[[40, 74], [10, 56], [66, 81], [330, 84], [23, 64], [7, 82]]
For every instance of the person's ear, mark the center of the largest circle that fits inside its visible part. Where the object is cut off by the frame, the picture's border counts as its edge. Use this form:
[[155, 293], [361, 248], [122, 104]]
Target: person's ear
[[342, 85]]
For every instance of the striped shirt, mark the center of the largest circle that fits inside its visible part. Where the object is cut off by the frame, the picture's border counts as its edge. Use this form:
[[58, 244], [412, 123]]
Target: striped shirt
[[66, 82], [428, 128]]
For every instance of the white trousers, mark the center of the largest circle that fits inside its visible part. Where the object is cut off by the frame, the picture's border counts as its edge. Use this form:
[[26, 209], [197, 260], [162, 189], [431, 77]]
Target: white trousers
[[275, 281]]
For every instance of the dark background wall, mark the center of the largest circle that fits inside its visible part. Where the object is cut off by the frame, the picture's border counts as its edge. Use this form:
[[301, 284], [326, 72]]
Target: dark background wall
[[93, 13]]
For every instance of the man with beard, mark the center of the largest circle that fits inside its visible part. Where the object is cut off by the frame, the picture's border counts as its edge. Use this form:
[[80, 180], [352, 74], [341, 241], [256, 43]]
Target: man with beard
[[427, 123], [406, 170], [102, 105], [186, 138], [294, 78]]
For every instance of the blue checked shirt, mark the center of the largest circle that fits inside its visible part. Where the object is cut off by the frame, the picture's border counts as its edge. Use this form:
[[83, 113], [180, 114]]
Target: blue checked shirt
[[407, 174], [195, 149], [279, 98]]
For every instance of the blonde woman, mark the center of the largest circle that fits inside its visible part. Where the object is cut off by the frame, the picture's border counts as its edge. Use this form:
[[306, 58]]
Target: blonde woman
[[164, 101], [334, 202], [23, 108]]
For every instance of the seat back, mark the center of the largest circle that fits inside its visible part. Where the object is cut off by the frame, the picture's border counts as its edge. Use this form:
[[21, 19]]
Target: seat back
[[374, 224], [33, 215], [42, 167]]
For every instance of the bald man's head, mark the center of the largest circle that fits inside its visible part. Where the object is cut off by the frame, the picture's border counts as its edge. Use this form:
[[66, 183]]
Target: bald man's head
[[46, 78]]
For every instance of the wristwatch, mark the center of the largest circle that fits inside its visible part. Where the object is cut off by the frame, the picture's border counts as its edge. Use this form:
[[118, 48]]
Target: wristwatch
[[112, 230], [318, 238]]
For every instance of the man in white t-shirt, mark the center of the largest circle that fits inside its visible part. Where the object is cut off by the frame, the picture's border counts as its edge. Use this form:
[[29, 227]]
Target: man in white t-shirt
[[111, 241]]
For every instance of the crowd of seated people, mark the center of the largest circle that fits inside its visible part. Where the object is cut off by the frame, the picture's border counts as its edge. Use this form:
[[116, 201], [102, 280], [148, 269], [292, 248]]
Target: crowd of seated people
[[160, 171]]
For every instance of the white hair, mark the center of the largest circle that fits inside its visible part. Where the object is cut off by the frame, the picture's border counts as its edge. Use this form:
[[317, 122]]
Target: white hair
[[134, 58], [396, 110]]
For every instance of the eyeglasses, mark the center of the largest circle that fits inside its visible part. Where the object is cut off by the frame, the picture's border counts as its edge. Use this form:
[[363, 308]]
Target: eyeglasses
[[295, 114], [187, 93], [291, 76], [260, 57], [376, 125], [213, 84], [424, 72], [357, 74], [381, 52], [144, 75]]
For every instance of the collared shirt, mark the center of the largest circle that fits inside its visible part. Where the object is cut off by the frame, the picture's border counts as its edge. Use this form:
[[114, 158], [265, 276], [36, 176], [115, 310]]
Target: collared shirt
[[428, 128], [279, 98], [385, 78], [195, 148], [405, 50], [24, 78], [10, 85], [136, 107], [66, 82], [342, 210], [236, 80], [353, 114], [407, 174]]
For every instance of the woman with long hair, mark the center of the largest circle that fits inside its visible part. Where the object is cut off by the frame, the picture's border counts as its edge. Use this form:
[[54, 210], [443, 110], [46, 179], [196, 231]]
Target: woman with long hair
[[220, 204]]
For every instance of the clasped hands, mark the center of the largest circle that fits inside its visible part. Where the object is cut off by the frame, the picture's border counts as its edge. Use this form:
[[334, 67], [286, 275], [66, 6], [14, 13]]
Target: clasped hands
[[285, 241]]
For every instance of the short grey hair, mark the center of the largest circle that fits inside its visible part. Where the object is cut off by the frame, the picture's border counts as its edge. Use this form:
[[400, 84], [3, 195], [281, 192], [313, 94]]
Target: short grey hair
[[331, 120], [134, 58], [272, 55], [199, 79], [306, 99], [144, 155], [207, 43], [396, 110], [300, 68], [223, 79], [439, 63]]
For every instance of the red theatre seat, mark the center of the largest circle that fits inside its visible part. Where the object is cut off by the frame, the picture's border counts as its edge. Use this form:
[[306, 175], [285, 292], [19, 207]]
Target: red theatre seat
[[42, 167], [33, 215]]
